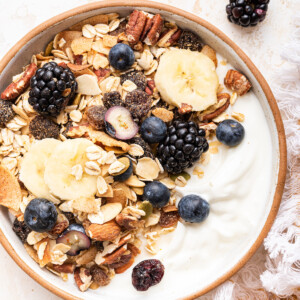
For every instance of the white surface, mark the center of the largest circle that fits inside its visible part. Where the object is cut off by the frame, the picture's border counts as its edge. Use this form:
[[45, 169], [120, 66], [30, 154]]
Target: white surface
[[262, 44]]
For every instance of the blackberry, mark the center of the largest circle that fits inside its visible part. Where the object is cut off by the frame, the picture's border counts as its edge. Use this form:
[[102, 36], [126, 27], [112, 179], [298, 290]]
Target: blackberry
[[247, 12], [51, 89], [182, 147]]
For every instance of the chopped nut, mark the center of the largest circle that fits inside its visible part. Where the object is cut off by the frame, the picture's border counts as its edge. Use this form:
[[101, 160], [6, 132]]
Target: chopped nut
[[163, 114], [238, 116], [237, 82]]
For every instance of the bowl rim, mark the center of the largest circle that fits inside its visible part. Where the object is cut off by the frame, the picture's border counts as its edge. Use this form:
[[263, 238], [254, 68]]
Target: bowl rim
[[250, 65]]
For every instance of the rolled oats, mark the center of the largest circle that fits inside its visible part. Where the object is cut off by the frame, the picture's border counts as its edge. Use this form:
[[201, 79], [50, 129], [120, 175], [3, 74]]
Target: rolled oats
[[77, 171], [102, 186], [94, 152], [76, 116], [92, 168], [88, 31]]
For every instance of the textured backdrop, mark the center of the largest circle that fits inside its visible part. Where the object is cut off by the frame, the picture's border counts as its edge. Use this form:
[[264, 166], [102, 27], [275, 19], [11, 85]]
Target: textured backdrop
[[263, 44]]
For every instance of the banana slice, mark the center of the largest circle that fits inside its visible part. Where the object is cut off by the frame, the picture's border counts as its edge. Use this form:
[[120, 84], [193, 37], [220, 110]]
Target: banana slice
[[58, 171], [185, 76], [33, 167]]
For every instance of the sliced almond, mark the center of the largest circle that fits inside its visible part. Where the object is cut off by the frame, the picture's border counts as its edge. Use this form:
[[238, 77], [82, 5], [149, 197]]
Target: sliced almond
[[168, 182], [81, 45], [118, 197], [88, 85], [147, 168], [110, 41], [110, 211], [98, 46], [133, 181], [100, 19], [86, 257]]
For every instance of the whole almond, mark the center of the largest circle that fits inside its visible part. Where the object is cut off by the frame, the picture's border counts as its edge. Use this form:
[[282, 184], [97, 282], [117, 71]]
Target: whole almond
[[105, 232]]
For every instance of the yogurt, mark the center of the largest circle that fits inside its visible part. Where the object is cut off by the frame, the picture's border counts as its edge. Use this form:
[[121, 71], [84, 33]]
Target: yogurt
[[237, 184]]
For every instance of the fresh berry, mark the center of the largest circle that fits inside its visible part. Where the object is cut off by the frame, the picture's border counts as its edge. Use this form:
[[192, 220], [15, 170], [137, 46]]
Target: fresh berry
[[40, 215], [146, 147], [95, 116], [182, 147], [6, 112], [147, 273], [75, 237], [41, 128], [190, 40], [51, 89], [230, 132], [21, 230], [193, 209], [139, 103], [247, 12], [138, 78], [121, 57], [156, 193], [119, 123], [112, 99], [153, 130], [125, 173]]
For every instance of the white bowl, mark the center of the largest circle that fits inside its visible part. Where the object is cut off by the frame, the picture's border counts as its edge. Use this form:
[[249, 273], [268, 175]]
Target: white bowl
[[36, 40]]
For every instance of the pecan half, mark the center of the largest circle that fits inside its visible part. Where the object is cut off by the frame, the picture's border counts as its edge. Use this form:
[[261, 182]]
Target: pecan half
[[83, 278], [174, 38], [148, 25], [155, 30], [237, 82], [122, 260], [135, 26], [166, 37], [15, 89], [124, 267], [221, 97], [59, 227], [133, 249], [115, 256], [64, 268], [185, 108]]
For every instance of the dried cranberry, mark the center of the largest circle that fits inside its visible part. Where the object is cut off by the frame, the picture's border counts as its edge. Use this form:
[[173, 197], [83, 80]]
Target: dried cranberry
[[147, 273], [168, 219]]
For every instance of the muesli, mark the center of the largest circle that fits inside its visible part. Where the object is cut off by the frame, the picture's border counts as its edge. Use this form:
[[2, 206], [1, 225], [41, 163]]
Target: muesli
[[97, 133]]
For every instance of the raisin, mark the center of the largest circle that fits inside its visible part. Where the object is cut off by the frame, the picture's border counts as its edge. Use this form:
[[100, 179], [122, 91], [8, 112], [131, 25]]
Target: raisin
[[70, 217], [41, 128], [147, 273], [138, 103], [189, 40], [99, 276], [146, 147], [138, 78], [168, 219], [95, 116], [6, 112], [112, 99], [21, 230]]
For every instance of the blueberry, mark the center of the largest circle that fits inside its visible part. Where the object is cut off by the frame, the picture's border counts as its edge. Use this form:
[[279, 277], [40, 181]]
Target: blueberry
[[193, 209], [40, 215], [230, 132], [121, 57], [153, 130], [156, 193]]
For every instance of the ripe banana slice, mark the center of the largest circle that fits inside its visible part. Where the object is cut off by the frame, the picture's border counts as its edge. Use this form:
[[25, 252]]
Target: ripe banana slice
[[58, 175], [185, 76], [33, 167]]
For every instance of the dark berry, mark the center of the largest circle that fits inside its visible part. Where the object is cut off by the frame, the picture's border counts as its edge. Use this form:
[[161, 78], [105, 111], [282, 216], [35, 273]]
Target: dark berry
[[247, 12], [49, 83], [40, 215], [121, 57], [96, 116], [156, 193], [138, 78], [112, 99], [6, 112], [21, 230], [119, 123], [139, 103], [153, 130], [182, 146], [75, 237], [147, 273], [144, 145], [125, 173], [193, 209], [41, 128], [230, 132]]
